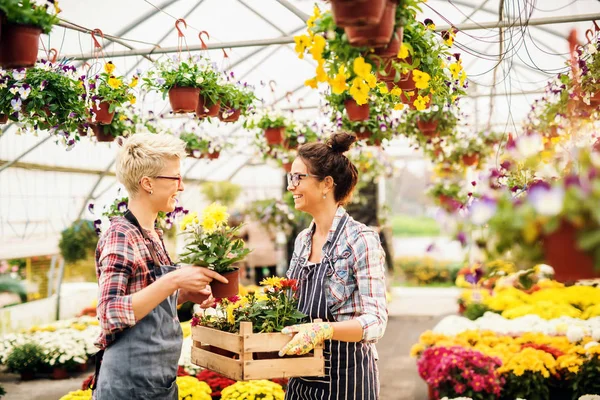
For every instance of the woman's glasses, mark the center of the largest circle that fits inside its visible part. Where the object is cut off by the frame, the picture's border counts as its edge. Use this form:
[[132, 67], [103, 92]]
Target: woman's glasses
[[295, 178], [179, 178]]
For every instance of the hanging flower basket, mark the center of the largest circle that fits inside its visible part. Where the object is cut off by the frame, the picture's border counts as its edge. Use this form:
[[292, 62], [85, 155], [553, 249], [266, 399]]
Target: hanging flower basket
[[101, 136], [363, 135], [378, 35], [224, 290], [184, 99], [393, 47], [470, 159], [202, 110], [357, 12], [227, 114], [3, 119], [356, 112], [562, 253], [428, 128], [103, 117], [212, 156], [287, 167], [289, 145], [274, 136], [19, 45]]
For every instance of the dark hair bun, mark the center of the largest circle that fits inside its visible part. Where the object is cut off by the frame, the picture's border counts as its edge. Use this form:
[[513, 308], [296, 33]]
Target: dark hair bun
[[340, 142]]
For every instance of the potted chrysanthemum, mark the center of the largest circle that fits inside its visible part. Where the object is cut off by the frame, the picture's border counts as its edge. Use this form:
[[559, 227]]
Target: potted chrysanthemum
[[213, 244]]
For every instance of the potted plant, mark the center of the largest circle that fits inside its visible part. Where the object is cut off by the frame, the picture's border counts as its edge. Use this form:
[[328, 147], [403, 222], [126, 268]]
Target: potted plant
[[377, 35], [298, 134], [212, 244], [201, 146], [468, 151], [448, 195], [357, 13], [26, 359], [211, 89], [107, 92], [272, 123], [378, 127], [235, 101], [527, 379], [23, 23], [78, 241], [181, 80]]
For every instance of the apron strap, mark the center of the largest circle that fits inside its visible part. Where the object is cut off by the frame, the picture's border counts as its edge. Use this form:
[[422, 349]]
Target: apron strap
[[336, 236], [97, 361]]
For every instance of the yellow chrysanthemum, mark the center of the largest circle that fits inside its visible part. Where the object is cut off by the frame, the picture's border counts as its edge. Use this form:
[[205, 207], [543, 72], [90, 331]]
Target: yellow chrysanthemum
[[216, 212], [114, 83], [302, 42], [209, 225], [421, 103], [421, 79], [321, 74], [109, 67], [273, 281], [361, 68], [338, 83], [188, 220], [359, 91]]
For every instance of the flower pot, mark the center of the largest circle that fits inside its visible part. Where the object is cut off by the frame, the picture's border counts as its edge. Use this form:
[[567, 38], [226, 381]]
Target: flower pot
[[100, 135], [82, 130], [274, 136], [60, 373], [211, 156], [3, 119], [203, 110], [27, 376], [103, 117], [461, 309], [448, 203], [227, 114], [393, 47], [223, 290], [431, 393], [561, 252], [287, 167], [19, 45], [470, 159], [595, 99], [357, 12], [184, 99], [356, 112], [363, 135], [428, 128], [82, 367], [289, 146], [377, 35]]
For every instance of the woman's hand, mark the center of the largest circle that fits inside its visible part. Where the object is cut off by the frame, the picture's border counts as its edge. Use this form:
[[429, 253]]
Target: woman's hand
[[306, 338], [191, 279], [203, 297]]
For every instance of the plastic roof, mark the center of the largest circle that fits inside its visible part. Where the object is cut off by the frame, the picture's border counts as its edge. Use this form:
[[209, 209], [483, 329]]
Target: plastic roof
[[37, 204]]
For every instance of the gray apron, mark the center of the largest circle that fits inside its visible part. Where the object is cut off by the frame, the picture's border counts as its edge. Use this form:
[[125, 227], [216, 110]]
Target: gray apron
[[142, 362], [350, 368]]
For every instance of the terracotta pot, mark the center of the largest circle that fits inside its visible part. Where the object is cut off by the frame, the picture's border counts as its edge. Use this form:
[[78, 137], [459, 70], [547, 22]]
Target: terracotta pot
[[82, 367], [227, 114], [103, 117], [3, 119], [561, 252], [274, 136], [448, 203], [19, 45], [212, 156], [461, 309], [27, 376], [428, 128], [363, 135], [202, 110], [470, 159], [378, 35], [223, 290], [287, 167], [82, 130], [357, 12], [184, 99], [60, 373], [595, 99], [101, 136], [393, 47], [356, 112]]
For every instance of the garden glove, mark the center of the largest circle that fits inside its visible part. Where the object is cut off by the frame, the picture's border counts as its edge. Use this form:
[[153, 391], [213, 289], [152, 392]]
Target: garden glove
[[306, 338]]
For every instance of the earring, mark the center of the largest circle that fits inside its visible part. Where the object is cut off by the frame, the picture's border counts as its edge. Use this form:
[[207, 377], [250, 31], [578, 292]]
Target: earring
[[324, 196], [151, 192]]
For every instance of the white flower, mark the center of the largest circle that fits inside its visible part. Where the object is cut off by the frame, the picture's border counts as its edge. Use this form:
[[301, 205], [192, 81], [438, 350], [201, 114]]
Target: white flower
[[590, 345], [596, 334], [19, 75], [199, 80], [547, 202], [529, 145], [482, 210], [590, 397], [16, 104], [24, 93], [545, 270], [575, 334]]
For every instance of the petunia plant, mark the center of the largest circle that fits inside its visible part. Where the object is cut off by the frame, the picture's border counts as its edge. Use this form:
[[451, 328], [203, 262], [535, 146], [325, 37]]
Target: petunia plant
[[172, 73], [106, 87], [41, 13]]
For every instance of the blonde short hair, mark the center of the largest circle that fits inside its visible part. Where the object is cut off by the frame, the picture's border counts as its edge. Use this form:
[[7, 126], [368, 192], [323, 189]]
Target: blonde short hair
[[144, 154]]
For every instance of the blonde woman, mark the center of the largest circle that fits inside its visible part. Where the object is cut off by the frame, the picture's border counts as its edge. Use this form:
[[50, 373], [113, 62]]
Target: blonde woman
[[139, 286]]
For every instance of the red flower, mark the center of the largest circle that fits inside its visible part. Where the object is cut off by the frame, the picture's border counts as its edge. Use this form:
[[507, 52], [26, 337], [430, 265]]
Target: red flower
[[195, 321], [289, 283]]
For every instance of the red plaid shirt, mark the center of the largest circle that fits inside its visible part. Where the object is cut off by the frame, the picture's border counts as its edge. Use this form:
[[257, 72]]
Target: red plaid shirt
[[122, 259]]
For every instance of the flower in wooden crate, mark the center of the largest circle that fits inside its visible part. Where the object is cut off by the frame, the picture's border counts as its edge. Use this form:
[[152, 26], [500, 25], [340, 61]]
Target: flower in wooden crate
[[257, 389]]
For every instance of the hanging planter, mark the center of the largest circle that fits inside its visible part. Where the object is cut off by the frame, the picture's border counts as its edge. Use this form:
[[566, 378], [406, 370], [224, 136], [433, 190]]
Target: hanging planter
[[19, 45], [103, 117], [211, 156], [223, 290], [203, 110], [470, 159], [378, 35], [287, 167], [274, 136], [393, 47], [184, 99], [356, 112], [562, 253], [227, 114], [348, 13], [428, 128], [101, 135]]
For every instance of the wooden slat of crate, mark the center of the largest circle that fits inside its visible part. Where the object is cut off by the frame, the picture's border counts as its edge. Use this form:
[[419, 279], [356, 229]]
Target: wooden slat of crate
[[284, 367], [261, 342], [218, 363], [223, 340]]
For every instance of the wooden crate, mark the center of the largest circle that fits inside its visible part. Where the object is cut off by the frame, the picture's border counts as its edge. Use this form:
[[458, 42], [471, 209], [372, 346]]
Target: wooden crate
[[249, 356]]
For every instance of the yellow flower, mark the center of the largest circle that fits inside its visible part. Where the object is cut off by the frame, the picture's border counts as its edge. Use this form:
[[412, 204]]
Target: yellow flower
[[399, 106], [321, 74], [403, 53], [188, 220], [359, 91], [338, 84], [122, 117], [371, 81], [216, 212], [114, 83], [132, 99], [273, 281], [209, 225], [383, 89], [311, 83], [463, 77], [396, 92], [302, 42], [421, 103], [109, 67], [316, 14], [416, 350], [318, 45], [530, 231], [134, 82], [421, 79], [455, 69], [361, 68]]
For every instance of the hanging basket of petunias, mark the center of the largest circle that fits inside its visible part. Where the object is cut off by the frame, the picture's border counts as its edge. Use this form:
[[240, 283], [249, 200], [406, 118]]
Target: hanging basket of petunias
[[376, 35], [236, 100], [272, 125], [106, 92], [201, 145], [23, 21]]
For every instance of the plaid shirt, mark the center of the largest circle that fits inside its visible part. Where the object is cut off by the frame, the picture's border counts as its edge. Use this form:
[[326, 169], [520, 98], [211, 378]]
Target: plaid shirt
[[356, 289], [122, 259]]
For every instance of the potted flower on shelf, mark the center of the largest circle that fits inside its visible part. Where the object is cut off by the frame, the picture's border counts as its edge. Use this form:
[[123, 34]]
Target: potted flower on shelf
[[23, 21], [198, 146], [272, 123], [212, 244], [180, 80], [26, 359], [78, 241], [236, 100], [468, 151], [107, 92]]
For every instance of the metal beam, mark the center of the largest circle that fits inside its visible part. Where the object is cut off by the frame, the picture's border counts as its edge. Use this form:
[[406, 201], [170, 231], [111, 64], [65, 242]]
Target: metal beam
[[299, 13], [259, 15], [4, 165], [91, 193]]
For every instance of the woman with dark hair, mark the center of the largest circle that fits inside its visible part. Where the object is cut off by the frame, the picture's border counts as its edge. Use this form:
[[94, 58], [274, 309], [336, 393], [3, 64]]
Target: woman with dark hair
[[339, 264]]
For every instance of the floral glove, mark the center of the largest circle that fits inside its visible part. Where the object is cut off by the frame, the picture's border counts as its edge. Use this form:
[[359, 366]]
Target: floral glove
[[306, 338]]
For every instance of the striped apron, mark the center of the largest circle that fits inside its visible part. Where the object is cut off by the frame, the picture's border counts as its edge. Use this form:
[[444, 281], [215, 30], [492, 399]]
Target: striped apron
[[350, 368]]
